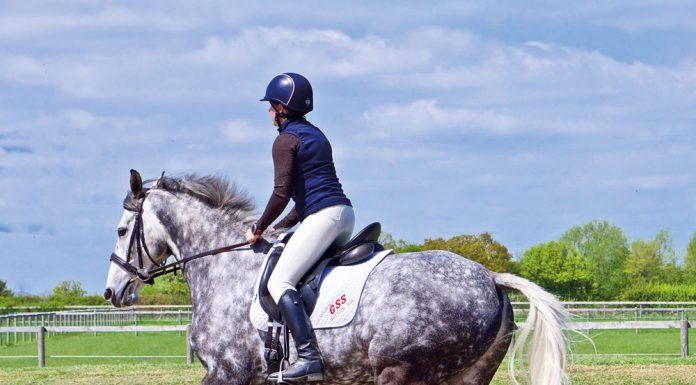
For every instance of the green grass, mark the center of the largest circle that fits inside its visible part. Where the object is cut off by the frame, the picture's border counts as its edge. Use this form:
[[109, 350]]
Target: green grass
[[645, 341], [180, 374], [114, 374], [606, 342], [104, 344]]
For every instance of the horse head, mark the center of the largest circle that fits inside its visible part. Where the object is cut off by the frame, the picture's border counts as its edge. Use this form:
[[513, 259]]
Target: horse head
[[141, 245]]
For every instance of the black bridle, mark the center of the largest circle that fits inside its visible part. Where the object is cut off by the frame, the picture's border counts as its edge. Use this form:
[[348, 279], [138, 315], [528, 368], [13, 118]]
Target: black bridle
[[138, 236]]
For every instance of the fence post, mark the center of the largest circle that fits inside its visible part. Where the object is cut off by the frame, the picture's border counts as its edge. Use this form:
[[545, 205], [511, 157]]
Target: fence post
[[42, 346], [635, 316], [684, 338], [189, 352]]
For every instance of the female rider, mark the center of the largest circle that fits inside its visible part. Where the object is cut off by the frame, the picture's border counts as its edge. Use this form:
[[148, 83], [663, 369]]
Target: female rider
[[304, 171]]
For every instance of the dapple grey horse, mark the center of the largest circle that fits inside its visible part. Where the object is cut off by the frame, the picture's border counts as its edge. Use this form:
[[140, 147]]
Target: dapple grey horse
[[431, 317]]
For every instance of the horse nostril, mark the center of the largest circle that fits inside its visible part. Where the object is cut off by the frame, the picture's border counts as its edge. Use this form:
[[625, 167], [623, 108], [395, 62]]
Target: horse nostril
[[108, 293]]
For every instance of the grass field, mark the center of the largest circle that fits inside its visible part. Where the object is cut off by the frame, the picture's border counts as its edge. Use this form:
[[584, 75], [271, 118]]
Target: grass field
[[179, 374], [664, 367]]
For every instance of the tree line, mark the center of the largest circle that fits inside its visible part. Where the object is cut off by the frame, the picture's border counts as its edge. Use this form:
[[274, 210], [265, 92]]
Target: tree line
[[169, 290], [592, 262]]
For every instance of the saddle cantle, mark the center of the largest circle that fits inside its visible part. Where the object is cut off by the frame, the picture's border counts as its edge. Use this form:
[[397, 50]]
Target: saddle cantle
[[363, 245]]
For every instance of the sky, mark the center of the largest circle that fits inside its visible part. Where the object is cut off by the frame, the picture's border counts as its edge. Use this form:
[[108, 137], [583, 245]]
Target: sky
[[521, 119]]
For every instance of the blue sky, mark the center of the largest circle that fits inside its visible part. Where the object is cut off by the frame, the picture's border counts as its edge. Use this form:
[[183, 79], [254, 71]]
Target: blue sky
[[520, 119]]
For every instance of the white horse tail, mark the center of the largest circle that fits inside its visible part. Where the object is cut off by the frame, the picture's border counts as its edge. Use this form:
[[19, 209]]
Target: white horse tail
[[548, 346]]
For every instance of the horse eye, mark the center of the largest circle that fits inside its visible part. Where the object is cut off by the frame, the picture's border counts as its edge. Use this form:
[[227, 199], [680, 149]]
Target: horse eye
[[122, 231]]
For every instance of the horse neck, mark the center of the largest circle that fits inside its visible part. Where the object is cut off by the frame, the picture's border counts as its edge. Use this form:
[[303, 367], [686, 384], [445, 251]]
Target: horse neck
[[194, 227]]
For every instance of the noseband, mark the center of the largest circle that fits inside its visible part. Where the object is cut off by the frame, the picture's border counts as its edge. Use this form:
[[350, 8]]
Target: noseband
[[138, 236]]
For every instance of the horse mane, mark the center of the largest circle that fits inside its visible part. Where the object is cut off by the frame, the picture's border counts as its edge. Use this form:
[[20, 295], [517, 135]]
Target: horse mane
[[213, 190]]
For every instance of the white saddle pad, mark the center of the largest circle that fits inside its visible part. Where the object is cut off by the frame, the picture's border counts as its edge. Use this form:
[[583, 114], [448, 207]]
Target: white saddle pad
[[339, 295]]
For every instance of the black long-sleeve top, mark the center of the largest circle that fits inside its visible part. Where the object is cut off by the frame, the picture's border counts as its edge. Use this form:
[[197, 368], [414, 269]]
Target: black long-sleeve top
[[284, 151]]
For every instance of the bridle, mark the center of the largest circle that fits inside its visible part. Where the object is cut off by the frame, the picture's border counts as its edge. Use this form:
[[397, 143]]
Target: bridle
[[138, 236]]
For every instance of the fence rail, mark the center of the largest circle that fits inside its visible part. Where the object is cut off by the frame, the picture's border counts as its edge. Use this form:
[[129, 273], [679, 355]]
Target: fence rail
[[41, 338], [41, 331], [81, 317], [97, 319]]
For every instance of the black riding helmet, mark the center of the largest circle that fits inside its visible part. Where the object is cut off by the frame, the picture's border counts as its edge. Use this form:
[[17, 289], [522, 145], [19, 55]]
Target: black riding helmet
[[291, 90]]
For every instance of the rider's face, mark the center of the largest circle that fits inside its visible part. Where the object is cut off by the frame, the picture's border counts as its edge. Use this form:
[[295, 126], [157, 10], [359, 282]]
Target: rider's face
[[272, 112]]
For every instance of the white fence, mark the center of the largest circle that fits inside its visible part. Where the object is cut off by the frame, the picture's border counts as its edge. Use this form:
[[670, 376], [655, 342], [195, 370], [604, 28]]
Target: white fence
[[41, 333], [41, 337], [93, 317], [37, 326]]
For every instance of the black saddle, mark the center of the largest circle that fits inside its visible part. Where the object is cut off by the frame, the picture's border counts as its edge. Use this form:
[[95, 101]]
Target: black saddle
[[357, 250]]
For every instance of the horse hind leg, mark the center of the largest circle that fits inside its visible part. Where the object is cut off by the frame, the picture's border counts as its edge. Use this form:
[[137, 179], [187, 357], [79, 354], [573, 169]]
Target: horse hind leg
[[483, 370]]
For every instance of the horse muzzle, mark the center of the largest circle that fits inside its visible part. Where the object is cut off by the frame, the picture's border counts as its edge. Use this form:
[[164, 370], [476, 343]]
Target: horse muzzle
[[127, 296]]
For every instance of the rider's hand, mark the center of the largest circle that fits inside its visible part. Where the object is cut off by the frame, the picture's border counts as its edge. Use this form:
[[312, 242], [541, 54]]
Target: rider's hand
[[250, 237]]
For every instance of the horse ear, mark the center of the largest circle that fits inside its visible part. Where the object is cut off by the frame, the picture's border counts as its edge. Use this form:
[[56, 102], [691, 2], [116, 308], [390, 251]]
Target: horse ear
[[136, 183]]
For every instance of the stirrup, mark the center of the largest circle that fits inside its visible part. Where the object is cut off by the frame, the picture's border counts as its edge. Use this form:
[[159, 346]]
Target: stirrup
[[312, 377]]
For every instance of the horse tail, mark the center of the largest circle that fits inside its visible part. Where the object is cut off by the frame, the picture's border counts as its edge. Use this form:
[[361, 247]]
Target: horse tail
[[548, 347]]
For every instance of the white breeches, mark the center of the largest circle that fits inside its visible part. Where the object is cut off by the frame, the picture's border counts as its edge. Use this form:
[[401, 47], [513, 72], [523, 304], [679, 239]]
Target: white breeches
[[330, 226]]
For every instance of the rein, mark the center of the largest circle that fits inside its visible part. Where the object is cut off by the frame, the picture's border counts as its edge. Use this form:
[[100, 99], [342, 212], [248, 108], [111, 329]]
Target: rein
[[148, 276]]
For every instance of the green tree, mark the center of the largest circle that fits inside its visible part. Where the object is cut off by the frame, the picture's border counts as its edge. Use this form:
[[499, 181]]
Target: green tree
[[481, 248], [666, 247], [690, 260], [606, 248], [4, 290], [68, 292], [644, 263], [399, 246], [558, 267], [671, 272], [168, 290], [653, 261]]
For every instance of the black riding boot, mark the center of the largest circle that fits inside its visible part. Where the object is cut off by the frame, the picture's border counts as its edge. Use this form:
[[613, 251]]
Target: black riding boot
[[309, 365]]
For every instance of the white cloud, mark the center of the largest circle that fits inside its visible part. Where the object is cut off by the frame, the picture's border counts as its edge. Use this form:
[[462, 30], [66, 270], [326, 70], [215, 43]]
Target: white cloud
[[427, 118], [33, 20], [534, 65], [317, 51], [168, 73], [434, 62]]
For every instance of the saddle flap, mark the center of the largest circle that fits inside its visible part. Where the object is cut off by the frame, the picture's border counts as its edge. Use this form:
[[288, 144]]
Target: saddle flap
[[265, 299]]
